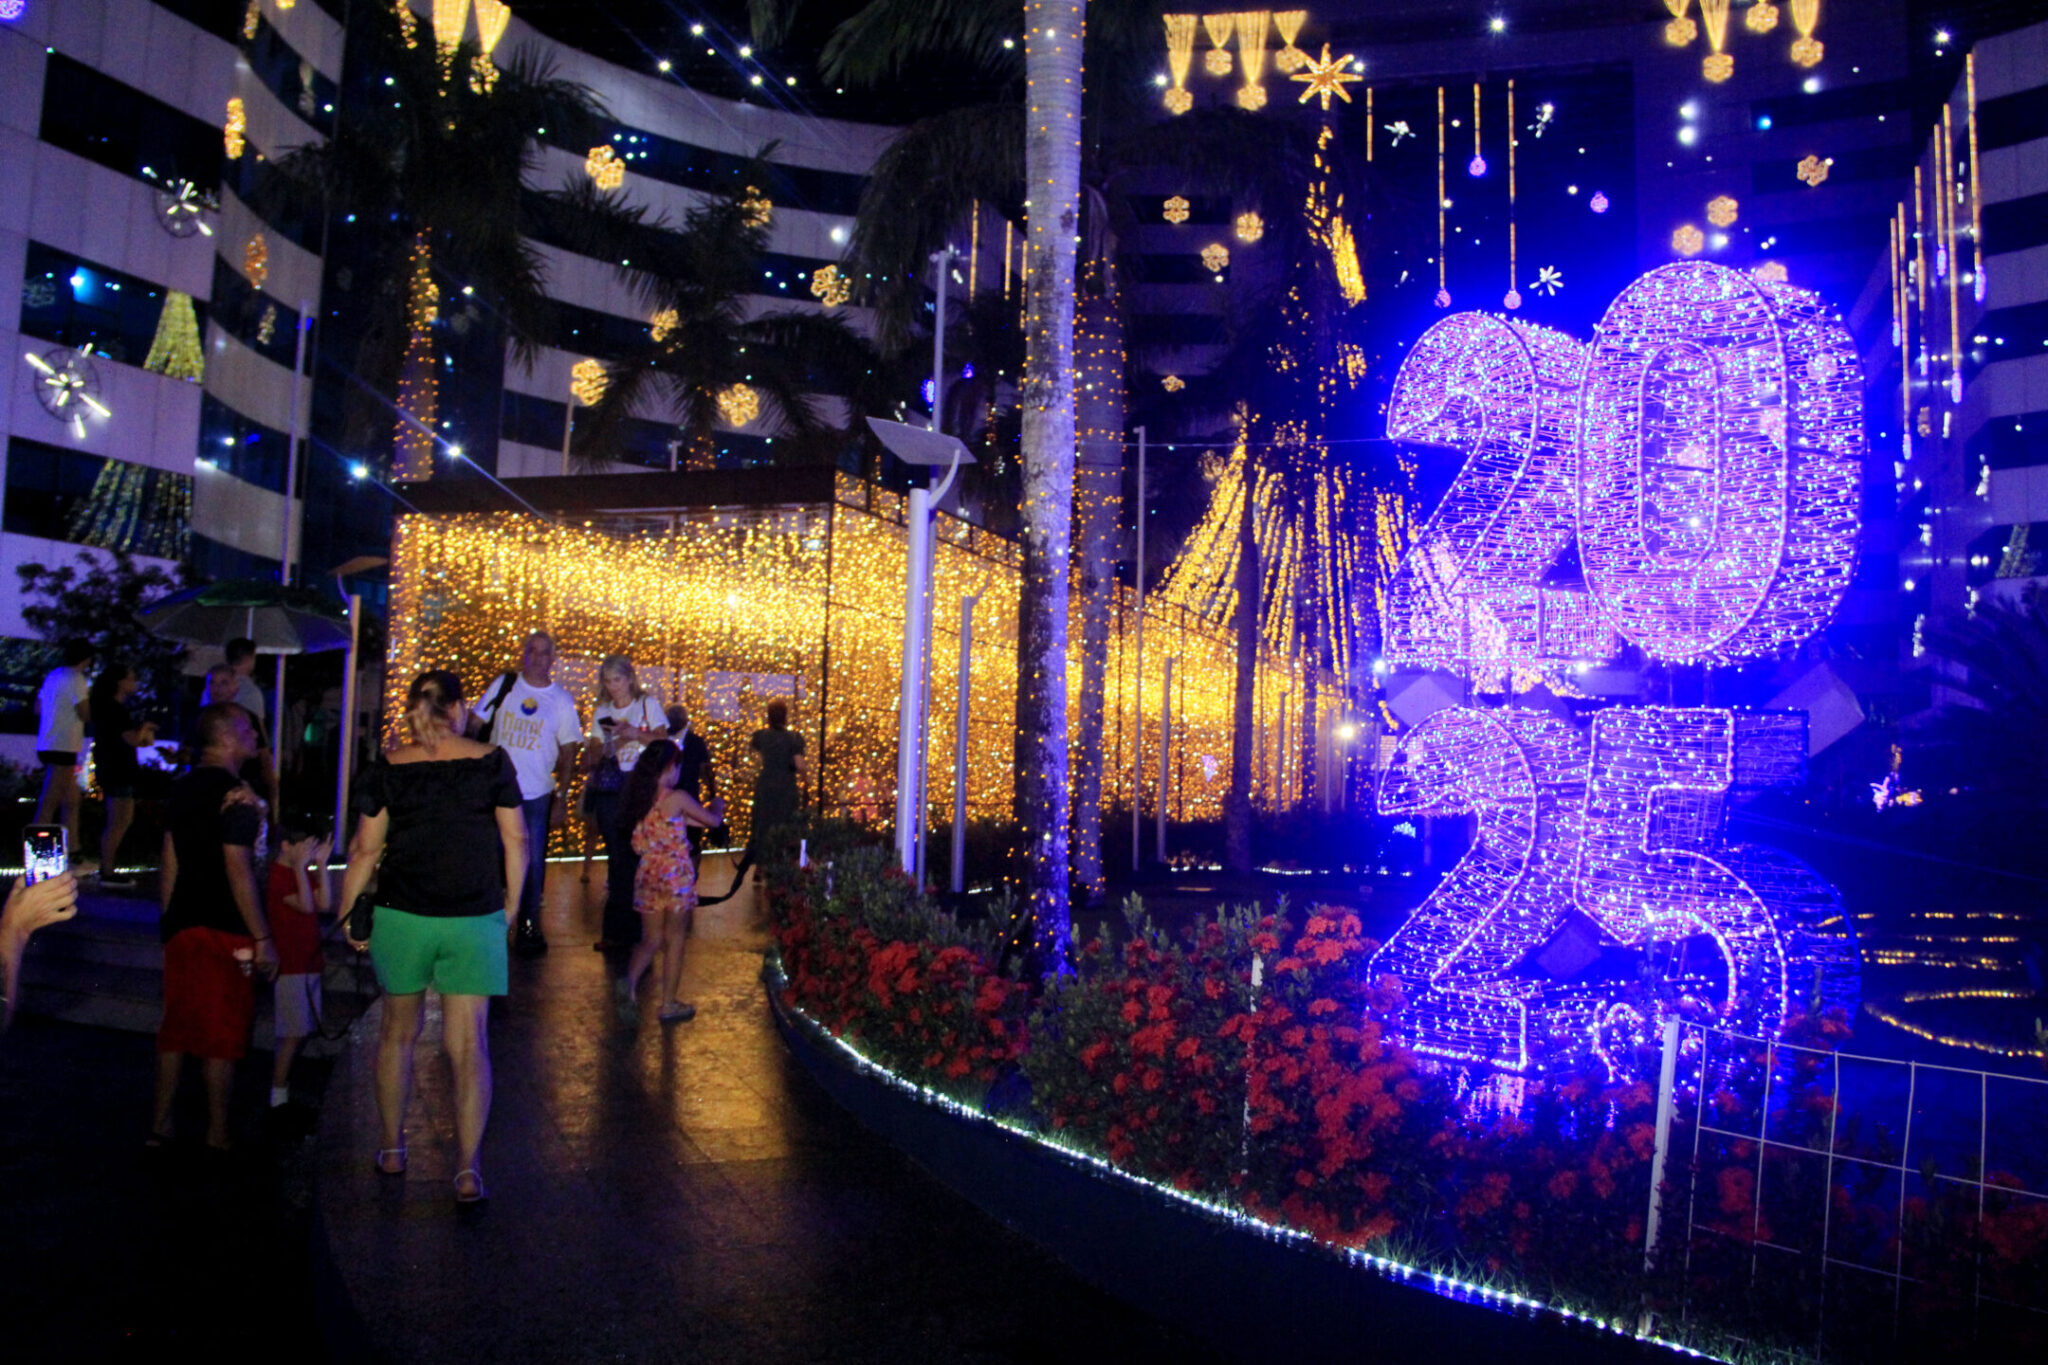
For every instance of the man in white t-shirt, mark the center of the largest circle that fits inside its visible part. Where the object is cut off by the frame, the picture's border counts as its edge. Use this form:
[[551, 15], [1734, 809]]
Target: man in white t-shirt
[[61, 712], [532, 718]]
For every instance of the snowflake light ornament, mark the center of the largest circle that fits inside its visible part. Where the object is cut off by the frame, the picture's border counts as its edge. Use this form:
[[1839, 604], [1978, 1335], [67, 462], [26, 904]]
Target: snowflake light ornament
[[1548, 280], [1396, 131]]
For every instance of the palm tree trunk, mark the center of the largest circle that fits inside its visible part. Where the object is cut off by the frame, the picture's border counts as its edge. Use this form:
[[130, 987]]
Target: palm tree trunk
[[1052, 177], [1237, 803], [1098, 494], [412, 450]]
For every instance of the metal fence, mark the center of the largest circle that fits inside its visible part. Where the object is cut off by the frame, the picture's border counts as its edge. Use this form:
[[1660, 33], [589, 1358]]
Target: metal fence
[[1836, 1206]]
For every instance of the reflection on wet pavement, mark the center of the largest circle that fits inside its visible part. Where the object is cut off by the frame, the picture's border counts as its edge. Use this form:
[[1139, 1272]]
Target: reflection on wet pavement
[[676, 1192]]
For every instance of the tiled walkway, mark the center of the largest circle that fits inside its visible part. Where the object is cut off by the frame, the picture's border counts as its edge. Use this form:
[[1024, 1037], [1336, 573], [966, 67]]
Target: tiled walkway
[[675, 1194]]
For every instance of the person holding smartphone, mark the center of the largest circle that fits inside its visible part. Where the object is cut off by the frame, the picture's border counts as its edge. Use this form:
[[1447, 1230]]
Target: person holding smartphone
[[30, 906], [215, 935]]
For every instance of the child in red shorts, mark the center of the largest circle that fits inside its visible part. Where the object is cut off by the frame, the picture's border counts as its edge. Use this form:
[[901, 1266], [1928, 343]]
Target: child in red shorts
[[299, 891]]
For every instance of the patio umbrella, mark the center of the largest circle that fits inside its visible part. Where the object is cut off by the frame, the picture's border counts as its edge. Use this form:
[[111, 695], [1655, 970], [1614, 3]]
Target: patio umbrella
[[279, 619]]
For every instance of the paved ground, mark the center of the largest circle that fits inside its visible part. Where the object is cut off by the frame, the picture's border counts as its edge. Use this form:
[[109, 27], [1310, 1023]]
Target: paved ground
[[675, 1194]]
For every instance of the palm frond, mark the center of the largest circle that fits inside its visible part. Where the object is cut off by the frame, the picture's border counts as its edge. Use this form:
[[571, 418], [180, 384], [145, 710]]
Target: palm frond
[[886, 37]]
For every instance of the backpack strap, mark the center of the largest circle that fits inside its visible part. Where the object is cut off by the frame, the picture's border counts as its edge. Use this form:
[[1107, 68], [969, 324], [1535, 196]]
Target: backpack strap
[[497, 701]]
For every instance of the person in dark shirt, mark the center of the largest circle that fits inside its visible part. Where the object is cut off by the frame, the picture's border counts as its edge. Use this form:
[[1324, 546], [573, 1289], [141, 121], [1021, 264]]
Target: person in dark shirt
[[444, 816], [698, 778], [214, 932], [116, 735]]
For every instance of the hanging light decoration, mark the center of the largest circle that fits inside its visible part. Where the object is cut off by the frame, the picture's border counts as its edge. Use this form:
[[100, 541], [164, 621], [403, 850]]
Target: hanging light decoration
[[1476, 167], [1217, 59], [588, 381], [739, 404], [830, 287], [236, 125], [256, 260], [1175, 210], [1722, 210], [1443, 286], [1215, 257], [664, 324], [1250, 227], [1287, 23], [1251, 54], [1761, 17], [1807, 50], [604, 168], [1688, 241], [1180, 55], [1716, 66], [1325, 78], [1173, 383], [755, 208], [1813, 170], [1513, 298], [1681, 30]]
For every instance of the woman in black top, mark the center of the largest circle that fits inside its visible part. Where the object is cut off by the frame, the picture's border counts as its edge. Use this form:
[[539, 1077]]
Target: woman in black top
[[115, 738], [442, 816]]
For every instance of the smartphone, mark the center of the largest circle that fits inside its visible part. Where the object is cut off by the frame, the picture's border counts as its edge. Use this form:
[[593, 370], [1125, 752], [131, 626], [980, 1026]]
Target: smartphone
[[45, 853]]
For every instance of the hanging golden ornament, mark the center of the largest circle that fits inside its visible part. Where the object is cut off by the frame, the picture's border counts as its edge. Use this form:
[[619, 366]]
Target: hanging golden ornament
[[829, 287], [1806, 49], [1326, 78], [1722, 210], [483, 74], [664, 324], [588, 381], [1688, 241], [1511, 300], [408, 26], [605, 169], [1251, 53], [1173, 383], [256, 260], [266, 326], [1761, 17], [1180, 54], [1174, 210], [251, 18], [1217, 59], [1718, 65], [755, 207], [1813, 170], [1770, 272], [739, 405], [1287, 23], [1681, 30], [232, 130], [1215, 257], [1250, 227]]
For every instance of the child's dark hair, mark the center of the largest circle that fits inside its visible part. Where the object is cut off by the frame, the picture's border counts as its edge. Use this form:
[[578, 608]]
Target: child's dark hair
[[289, 834], [643, 784]]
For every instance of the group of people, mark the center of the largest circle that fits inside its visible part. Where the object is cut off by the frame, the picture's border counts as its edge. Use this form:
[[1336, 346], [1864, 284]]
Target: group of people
[[451, 827]]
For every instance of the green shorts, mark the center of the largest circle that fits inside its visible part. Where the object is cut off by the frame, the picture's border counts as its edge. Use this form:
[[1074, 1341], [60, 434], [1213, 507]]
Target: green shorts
[[456, 955]]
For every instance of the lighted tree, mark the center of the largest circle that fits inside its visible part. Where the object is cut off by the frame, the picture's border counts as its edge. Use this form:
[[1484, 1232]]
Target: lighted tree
[[437, 168], [176, 350]]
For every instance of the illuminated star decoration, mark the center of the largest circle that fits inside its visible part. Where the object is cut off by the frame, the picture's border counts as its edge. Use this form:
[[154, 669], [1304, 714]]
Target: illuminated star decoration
[[1398, 130], [1326, 78], [1548, 280], [1814, 169]]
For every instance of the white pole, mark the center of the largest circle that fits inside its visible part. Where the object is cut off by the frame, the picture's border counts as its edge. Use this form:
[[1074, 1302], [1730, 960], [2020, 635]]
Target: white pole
[[1667, 1078], [1165, 749], [1138, 686], [277, 723], [568, 423], [942, 261], [287, 553], [909, 820], [959, 879], [348, 722]]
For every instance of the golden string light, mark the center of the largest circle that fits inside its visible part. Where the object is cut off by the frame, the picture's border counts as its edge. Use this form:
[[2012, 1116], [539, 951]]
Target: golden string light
[[1215, 257], [1326, 77], [1977, 285], [1217, 59], [413, 435], [1173, 383], [1950, 256], [1716, 66], [1008, 229], [1806, 49], [1443, 286], [1722, 210], [663, 324], [604, 168], [755, 208], [1681, 30], [252, 17], [1251, 55], [1180, 55], [1250, 227], [1368, 125], [830, 287], [1477, 166], [973, 250], [1513, 298], [408, 26], [588, 381], [1175, 210], [1287, 23], [1761, 17], [1813, 170], [1688, 241], [233, 129]]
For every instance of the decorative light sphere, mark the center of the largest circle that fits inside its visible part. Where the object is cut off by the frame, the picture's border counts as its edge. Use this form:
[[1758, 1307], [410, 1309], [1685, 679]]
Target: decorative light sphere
[[1442, 299], [1717, 66], [1598, 203], [1476, 166], [1511, 300]]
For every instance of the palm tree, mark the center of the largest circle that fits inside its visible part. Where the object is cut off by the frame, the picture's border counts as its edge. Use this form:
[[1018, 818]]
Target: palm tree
[[439, 171], [715, 364]]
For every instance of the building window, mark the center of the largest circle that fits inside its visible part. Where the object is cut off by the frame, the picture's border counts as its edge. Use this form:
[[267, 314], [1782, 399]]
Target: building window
[[68, 495], [75, 302]]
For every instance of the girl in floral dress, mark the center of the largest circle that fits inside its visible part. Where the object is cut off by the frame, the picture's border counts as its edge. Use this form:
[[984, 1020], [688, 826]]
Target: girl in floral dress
[[656, 810]]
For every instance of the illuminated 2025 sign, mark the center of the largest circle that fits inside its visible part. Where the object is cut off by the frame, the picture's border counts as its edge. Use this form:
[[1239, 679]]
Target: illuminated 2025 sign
[[1703, 453]]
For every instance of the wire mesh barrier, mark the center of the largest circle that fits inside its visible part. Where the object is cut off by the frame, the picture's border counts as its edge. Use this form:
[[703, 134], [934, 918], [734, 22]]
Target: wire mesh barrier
[[1830, 1206]]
